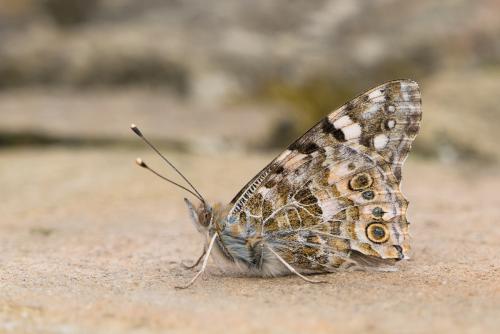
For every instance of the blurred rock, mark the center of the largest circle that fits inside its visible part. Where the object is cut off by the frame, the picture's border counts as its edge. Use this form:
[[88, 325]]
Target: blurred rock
[[68, 13], [299, 59], [253, 43]]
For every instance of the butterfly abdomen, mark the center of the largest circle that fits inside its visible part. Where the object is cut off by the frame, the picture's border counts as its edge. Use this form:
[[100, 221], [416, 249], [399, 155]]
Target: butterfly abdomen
[[246, 247]]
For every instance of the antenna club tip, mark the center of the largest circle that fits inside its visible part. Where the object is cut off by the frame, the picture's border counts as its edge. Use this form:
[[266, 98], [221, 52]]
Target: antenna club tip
[[136, 130], [140, 163]]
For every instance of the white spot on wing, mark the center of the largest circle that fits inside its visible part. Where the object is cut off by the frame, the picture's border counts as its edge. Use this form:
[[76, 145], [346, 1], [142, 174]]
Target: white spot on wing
[[342, 122], [376, 96], [330, 208], [391, 123], [380, 141], [352, 131], [370, 111], [283, 155], [405, 88]]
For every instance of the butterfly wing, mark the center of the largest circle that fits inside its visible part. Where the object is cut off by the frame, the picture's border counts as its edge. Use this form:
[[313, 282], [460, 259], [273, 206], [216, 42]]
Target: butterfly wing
[[332, 199]]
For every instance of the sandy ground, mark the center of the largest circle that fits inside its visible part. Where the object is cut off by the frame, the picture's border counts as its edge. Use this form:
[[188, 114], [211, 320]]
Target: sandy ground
[[89, 243]]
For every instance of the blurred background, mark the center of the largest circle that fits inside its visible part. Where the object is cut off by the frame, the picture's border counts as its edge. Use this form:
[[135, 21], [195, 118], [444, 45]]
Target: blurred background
[[91, 244], [242, 75]]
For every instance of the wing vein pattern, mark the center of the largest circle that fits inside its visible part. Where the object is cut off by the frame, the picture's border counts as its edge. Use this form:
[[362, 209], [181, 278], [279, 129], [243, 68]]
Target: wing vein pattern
[[315, 202]]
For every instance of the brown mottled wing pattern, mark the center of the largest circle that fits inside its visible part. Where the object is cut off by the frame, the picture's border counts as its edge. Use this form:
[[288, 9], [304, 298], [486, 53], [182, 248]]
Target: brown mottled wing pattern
[[332, 199]]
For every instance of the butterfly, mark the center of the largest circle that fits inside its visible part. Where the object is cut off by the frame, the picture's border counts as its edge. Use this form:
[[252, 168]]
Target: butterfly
[[331, 201]]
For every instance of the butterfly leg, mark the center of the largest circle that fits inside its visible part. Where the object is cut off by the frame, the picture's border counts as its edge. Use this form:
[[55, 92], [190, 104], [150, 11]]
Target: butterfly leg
[[197, 261], [204, 265], [289, 267]]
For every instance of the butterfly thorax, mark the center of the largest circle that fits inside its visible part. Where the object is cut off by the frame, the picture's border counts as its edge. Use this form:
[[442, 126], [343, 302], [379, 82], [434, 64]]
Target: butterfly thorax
[[212, 220], [234, 241]]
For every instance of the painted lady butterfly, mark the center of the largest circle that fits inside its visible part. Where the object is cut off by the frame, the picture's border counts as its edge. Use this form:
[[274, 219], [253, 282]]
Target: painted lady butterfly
[[331, 201]]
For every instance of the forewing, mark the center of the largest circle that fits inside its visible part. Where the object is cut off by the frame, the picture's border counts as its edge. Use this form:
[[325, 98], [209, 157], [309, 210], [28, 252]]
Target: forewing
[[314, 202]]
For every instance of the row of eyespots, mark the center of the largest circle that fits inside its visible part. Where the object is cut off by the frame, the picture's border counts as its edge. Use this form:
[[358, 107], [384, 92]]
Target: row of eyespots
[[375, 231]]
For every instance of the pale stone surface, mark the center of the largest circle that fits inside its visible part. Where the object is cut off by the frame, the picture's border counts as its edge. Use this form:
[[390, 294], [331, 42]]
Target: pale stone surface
[[108, 114], [90, 243]]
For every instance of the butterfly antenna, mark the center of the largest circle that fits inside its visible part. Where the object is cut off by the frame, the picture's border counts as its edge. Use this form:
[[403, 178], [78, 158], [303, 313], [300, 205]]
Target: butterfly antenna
[[142, 164], [139, 133]]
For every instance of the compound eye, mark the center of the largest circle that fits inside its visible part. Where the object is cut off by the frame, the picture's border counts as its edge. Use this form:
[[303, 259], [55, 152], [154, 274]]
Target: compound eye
[[377, 233]]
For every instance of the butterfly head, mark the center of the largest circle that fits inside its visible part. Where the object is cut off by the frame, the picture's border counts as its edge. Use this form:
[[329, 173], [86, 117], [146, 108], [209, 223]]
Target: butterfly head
[[207, 218], [201, 215]]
